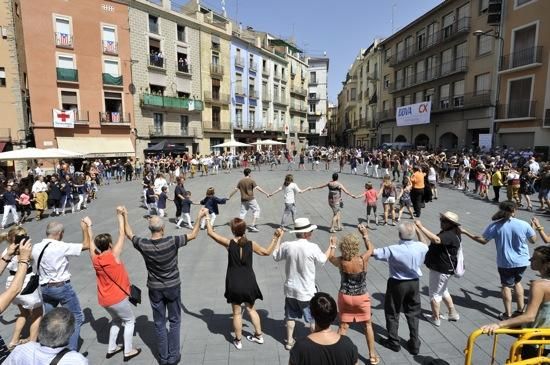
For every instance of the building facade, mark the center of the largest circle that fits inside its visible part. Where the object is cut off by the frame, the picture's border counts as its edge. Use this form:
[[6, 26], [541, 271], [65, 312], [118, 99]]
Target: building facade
[[79, 75], [166, 71], [523, 112], [317, 114], [437, 58]]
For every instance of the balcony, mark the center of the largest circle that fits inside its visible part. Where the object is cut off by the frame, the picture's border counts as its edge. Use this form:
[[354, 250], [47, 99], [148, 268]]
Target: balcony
[[239, 90], [372, 76], [176, 131], [63, 40], [114, 119], [265, 72], [160, 102], [461, 102], [112, 80], [455, 66], [216, 126], [277, 75], [517, 109], [253, 66], [373, 99], [67, 74], [525, 58], [216, 98], [363, 123], [461, 26], [184, 68], [239, 61], [216, 69], [299, 90], [298, 107], [386, 115], [253, 94], [280, 100], [156, 62], [266, 96], [110, 48]]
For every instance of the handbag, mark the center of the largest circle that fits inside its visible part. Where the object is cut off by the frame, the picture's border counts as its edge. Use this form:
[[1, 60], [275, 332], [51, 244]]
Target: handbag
[[134, 296], [459, 270], [32, 285]]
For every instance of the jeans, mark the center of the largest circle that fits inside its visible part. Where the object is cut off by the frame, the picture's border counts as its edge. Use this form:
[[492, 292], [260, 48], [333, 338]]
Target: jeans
[[290, 209], [7, 210], [163, 300], [66, 297], [122, 314]]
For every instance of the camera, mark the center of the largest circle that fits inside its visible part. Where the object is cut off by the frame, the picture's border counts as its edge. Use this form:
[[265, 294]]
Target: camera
[[20, 238]]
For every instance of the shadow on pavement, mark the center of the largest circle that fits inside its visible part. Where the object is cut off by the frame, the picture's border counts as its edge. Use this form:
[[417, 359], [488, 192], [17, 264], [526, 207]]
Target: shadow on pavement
[[100, 326], [145, 329]]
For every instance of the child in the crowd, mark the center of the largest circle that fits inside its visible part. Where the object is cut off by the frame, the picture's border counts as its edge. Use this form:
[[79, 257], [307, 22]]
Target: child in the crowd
[[25, 205], [211, 203], [186, 210], [404, 198], [161, 201], [371, 197], [151, 199]]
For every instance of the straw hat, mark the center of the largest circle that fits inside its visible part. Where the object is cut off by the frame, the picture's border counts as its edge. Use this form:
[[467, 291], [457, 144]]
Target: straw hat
[[451, 217], [302, 225]]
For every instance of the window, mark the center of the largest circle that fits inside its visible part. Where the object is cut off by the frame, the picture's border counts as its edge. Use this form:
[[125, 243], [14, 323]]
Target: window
[[409, 75], [353, 94], [431, 34], [524, 51], [386, 81], [184, 125], [458, 94], [264, 119], [283, 72], [431, 67], [429, 94], [399, 79], [251, 118], [156, 89], [63, 34], [66, 62], [153, 24], [407, 99], [2, 77], [399, 51], [180, 30], [444, 96], [215, 43], [398, 102], [251, 63], [519, 100], [521, 3], [69, 100], [113, 107], [109, 40], [156, 57], [239, 117], [419, 97], [312, 77], [385, 105], [448, 21], [158, 122], [312, 107], [420, 71], [183, 62], [251, 88], [420, 40], [483, 84], [111, 67], [484, 44], [216, 117], [184, 95], [461, 56], [239, 84], [446, 61], [463, 12], [408, 46], [483, 6], [387, 55]]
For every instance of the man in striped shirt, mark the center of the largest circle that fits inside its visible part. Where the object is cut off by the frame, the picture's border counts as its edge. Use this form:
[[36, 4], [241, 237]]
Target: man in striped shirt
[[160, 254]]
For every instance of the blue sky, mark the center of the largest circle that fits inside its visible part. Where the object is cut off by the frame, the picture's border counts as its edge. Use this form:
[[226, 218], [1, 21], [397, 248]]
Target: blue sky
[[341, 27]]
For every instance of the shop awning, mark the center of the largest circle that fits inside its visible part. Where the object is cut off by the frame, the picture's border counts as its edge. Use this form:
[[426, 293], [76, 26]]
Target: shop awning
[[98, 146]]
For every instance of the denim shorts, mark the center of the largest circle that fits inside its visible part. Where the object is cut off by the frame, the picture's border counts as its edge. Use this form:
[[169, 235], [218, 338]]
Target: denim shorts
[[511, 276], [296, 309]]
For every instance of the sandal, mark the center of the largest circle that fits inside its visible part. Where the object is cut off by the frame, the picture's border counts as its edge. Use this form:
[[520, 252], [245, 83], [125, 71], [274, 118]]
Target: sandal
[[374, 359], [332, 230], [118, 349]]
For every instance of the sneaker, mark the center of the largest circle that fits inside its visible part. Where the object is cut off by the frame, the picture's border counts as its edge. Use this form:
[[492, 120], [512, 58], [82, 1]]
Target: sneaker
[[253, 229], [290, 345], [255, 338], [453, 316], [237, 343], [432, 320], [178, 226], [503, 316]]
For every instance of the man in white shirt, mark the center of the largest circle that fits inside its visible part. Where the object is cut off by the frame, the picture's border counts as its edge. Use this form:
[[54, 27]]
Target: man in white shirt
[[55, 278], [534, 166], [300, 257], [53, 336]]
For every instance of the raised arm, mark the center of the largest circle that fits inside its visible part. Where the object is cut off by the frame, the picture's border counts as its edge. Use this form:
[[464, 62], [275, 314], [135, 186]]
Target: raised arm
[[25, 250], [331, 247], [429, 235], [127, 229], [119, 245], [368, 244], [195, 232], [275, 241], [93, 247], [85, 225], [224, 241], [11, 250], [538, 227], [332, 257]]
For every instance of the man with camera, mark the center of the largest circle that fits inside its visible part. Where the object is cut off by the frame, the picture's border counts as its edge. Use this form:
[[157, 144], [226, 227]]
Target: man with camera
[[53, 269]]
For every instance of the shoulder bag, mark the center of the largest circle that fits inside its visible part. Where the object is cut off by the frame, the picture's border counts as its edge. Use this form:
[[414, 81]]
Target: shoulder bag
[[59, 355], [32, 285], [134, 296], [459, 270]]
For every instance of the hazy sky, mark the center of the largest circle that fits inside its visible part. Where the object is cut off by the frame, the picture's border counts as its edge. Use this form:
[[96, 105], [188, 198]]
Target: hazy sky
[[341, 27]]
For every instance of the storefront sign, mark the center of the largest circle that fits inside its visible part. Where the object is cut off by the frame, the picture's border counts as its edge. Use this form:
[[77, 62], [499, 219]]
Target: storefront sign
[[414, 114], [485, 141]]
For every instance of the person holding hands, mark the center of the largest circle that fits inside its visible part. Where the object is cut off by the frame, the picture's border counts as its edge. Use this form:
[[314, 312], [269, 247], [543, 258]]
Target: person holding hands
[[289, 188]]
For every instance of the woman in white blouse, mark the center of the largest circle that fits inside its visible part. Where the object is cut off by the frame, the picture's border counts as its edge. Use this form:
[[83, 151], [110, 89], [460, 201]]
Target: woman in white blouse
[[39, 191]]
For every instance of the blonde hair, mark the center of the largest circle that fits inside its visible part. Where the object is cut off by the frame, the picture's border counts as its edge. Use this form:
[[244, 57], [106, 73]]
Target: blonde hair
[[349, 247], [387, 181], [9, 236]]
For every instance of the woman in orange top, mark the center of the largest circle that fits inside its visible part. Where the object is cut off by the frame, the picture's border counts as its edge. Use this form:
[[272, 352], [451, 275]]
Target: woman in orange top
[[113, 287], [417, 192]]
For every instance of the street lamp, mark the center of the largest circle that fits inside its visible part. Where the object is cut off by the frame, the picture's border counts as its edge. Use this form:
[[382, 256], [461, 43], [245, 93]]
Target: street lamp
[[480, 32]]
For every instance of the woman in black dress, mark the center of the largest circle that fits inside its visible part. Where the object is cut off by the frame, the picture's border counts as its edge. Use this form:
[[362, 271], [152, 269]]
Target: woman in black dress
[[240, 280]]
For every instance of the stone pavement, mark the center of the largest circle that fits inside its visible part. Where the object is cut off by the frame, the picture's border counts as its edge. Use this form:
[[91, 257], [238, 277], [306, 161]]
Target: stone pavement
[[206, 324]]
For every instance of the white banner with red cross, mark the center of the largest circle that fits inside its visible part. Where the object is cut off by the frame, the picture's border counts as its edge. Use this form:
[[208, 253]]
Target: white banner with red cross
[[64, 118]]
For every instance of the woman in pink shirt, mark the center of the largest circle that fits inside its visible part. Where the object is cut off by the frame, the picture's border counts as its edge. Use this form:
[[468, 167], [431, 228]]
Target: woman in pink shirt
[[371, 196], [25, 204]]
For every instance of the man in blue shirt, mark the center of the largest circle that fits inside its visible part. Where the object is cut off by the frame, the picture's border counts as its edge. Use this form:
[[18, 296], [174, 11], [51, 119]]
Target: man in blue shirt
[[403, 289], [10, 200], [511, 236]]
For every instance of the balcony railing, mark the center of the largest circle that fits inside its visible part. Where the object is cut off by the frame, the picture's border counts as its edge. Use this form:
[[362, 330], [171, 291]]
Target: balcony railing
[[252, 66], [445, 69], [109, 79], [67, 74], [63, 40], [460, 26], [266, 96], [184, 68], [265, 72], [277, 75], [253, 94], [239, 90], [239, 61], [280, 99], [216, 97], [517, 109], [110, 47], [524, 57], [298, 107], [462, 101], [298, 90], [156, 61], [114, 118], [215, 125], [169, 102], [166, 131], [216, 69]]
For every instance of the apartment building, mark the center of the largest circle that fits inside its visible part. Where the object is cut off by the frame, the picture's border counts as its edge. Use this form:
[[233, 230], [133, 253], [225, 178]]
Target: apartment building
[[437, 58], [317, 97], [346, 110], [77, 58], [523, 113], [14, 130], [332, 124], [166, 69]]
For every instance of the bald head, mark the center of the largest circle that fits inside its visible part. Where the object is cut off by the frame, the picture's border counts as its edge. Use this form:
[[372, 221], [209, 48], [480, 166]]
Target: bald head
[[406, 231], [156, 224]]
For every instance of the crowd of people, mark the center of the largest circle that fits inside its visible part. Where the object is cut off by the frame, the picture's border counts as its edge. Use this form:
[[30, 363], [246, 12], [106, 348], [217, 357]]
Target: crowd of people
[[39, 281]]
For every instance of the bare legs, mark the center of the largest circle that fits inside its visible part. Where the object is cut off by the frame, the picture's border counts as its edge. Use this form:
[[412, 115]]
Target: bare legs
[[238, 319], [25, 315], [369, 335], [507, 298]]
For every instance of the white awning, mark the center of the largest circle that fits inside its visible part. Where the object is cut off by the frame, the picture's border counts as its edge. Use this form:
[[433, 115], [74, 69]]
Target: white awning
[[98, 146]]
